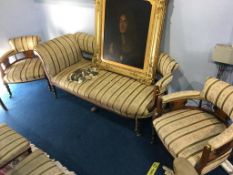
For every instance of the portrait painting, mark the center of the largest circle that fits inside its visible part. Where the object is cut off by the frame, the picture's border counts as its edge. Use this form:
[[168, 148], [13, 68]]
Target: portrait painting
[[126, 30], [128, 36]]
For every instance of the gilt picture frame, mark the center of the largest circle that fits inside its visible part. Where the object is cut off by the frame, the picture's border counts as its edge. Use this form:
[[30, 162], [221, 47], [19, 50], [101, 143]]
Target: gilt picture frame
[[128, 36]]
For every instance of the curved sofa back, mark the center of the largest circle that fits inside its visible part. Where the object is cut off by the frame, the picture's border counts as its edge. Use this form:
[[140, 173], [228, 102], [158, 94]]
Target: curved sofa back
[[58, 54]]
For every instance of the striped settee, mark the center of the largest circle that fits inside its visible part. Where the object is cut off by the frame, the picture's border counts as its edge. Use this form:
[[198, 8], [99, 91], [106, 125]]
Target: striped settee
[[125, 96], [203, 137]]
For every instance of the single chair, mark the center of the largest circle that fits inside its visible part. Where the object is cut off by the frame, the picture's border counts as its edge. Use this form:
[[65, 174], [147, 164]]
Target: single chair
[[25, 66], [203, 137]]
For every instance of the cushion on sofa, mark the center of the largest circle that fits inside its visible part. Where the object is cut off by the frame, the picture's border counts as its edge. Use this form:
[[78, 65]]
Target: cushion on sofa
[[112, 91], [58, 54]]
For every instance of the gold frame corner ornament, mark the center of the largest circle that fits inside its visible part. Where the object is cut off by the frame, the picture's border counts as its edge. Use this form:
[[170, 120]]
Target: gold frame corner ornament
[[147, 74]]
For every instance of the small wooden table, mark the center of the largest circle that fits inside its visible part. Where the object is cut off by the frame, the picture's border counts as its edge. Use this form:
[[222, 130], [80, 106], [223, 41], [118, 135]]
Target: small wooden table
[[3, 105]]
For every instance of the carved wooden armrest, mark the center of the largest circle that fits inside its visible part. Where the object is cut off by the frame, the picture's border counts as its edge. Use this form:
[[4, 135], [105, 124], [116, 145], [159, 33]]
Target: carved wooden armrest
[[226, 137], [182, 95], [219, 146]]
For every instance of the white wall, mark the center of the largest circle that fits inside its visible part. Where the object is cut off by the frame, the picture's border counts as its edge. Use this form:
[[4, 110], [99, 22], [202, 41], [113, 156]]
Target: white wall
[[45, 18], [192, 29]]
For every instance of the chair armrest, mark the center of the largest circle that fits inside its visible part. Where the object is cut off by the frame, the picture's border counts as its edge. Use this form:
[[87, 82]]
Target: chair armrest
[[164, 82], [222, 139], [6, 55], [182, 95]]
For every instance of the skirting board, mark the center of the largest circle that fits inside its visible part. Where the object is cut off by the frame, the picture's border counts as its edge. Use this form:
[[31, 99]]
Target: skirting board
[[228, 167]]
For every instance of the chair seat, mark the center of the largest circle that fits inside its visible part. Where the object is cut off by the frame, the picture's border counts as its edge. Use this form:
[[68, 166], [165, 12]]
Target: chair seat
[[37, 163], [112, 91], [24, 70], [185, 132], [11, 144]]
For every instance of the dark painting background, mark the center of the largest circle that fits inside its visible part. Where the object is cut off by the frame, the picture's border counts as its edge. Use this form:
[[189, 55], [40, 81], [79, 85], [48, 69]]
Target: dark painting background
[[139, 12]]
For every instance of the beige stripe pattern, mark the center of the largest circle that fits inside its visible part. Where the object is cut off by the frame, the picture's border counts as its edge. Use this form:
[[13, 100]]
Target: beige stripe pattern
[[24, 43], [86, 42], [182, 95], [185, 133], [220, 94], [166, 65], [37, 163], [11, 144], [24, 70], [59, 53], [112, 91]]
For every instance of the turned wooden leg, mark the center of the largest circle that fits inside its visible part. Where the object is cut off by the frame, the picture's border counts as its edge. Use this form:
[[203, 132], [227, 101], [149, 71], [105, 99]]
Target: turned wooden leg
[[3, 105], [94, 109], [29, 150], [152, 133], [8, 89], [137, 127], [49, 85], [54, 90]]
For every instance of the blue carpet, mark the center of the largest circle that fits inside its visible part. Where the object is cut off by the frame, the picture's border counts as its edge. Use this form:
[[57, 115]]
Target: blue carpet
[[100, 143]]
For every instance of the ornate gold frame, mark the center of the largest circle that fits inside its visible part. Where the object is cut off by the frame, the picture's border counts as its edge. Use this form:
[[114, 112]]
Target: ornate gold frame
[[147, 74]]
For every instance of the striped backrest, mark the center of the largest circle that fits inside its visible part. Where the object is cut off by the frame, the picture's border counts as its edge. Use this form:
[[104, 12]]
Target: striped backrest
[[220, 94], [24, 43], [58, 54], [166, 65], [86, 42]]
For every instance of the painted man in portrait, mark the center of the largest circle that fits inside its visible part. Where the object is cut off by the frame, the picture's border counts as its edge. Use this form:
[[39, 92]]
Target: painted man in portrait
[[124, 46]]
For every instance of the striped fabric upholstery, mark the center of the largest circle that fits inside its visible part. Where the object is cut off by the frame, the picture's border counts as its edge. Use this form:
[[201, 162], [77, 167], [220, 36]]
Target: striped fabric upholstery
[[59, 53], [163, 82], [112, 91], [166, 65], [11, 144], [37, 163], [220, 94], [185, 133], [24, 70], [24, 43], [86, 42]]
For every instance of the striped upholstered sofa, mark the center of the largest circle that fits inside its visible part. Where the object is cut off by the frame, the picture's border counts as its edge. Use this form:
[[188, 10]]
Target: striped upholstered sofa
[[203, 137], [125, 96]]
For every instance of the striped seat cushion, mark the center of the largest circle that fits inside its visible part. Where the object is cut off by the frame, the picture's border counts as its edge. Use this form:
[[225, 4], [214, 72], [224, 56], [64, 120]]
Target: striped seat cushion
[[24, 70], [109, 90], [185, 133], [37, 163], [11, 144]]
